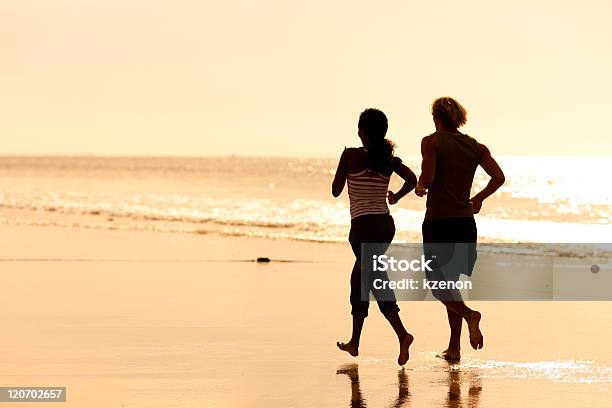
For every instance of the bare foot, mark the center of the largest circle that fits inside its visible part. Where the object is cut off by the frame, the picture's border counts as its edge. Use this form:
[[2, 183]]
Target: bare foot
[[349, 347], [404, 354], [476, 339], [450, 355]]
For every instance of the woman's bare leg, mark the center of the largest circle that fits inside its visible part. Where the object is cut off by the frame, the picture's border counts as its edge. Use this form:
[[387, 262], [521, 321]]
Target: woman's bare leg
[[405, 338], [352, 347]]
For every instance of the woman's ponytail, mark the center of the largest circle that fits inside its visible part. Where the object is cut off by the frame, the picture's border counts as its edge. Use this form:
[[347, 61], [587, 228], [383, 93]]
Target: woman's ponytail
[[380, 153], [373, 123]]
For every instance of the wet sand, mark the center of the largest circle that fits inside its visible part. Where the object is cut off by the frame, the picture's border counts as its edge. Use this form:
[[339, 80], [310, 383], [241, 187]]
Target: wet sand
[[141, 319]]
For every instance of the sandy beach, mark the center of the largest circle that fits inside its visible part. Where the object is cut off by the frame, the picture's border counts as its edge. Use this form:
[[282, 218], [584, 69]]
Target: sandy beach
[[142, 319]]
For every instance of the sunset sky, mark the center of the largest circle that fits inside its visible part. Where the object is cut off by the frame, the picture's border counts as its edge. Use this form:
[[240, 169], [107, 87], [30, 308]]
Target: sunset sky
[[277, 77]]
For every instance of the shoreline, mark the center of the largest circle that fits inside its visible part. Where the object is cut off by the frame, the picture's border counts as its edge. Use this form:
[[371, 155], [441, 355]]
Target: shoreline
[[53, 218]]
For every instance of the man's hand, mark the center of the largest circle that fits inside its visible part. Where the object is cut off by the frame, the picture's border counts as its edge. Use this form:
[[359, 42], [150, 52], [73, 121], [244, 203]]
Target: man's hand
[[476, 205], [392, 197], [420, 190]]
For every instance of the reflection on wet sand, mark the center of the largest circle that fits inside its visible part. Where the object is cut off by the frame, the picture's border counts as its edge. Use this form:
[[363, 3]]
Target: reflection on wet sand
[[403, 396], [453, 398], [455, 380], [352, 370]]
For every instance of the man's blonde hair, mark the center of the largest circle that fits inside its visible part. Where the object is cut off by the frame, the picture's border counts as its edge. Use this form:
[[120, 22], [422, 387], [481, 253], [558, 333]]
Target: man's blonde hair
[[449, 112]]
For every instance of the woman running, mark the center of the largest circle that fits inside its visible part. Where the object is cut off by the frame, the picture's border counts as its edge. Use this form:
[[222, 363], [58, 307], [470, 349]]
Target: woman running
[[367, 170], [450, 159]]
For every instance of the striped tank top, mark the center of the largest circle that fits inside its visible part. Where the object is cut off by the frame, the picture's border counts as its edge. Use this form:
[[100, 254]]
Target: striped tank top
[[367, 192]]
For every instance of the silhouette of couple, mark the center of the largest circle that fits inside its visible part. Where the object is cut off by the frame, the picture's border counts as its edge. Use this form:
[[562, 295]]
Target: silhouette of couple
[[449, 162]]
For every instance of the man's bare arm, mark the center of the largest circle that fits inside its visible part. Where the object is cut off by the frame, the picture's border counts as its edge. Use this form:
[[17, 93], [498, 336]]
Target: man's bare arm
[[428, 165], [491, 167]]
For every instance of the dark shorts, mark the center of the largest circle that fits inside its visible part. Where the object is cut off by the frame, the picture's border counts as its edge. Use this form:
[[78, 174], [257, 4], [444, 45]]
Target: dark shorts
[[370, 228], [451, 243]]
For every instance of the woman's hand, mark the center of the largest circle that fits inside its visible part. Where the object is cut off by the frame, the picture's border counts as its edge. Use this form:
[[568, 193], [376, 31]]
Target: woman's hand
[[392, 197], [420, 190]]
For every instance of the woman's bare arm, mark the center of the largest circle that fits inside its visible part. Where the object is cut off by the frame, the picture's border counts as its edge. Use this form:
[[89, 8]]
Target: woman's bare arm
[[340, 178], [491, 167], [410, 182]]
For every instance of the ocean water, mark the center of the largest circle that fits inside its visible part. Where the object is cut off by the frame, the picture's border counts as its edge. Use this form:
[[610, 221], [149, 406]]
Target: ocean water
[[545, 199]]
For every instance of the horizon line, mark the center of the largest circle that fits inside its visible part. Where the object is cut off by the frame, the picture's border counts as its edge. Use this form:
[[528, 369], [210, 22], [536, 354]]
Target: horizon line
[[245, 156]]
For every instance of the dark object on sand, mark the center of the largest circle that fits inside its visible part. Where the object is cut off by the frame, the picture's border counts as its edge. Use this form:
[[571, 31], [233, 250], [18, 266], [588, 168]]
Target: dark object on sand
[[263, 259]]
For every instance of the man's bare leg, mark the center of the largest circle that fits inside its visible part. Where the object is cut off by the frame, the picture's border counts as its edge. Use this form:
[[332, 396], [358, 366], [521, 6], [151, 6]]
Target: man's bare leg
[[472, 317], [453, 352]]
